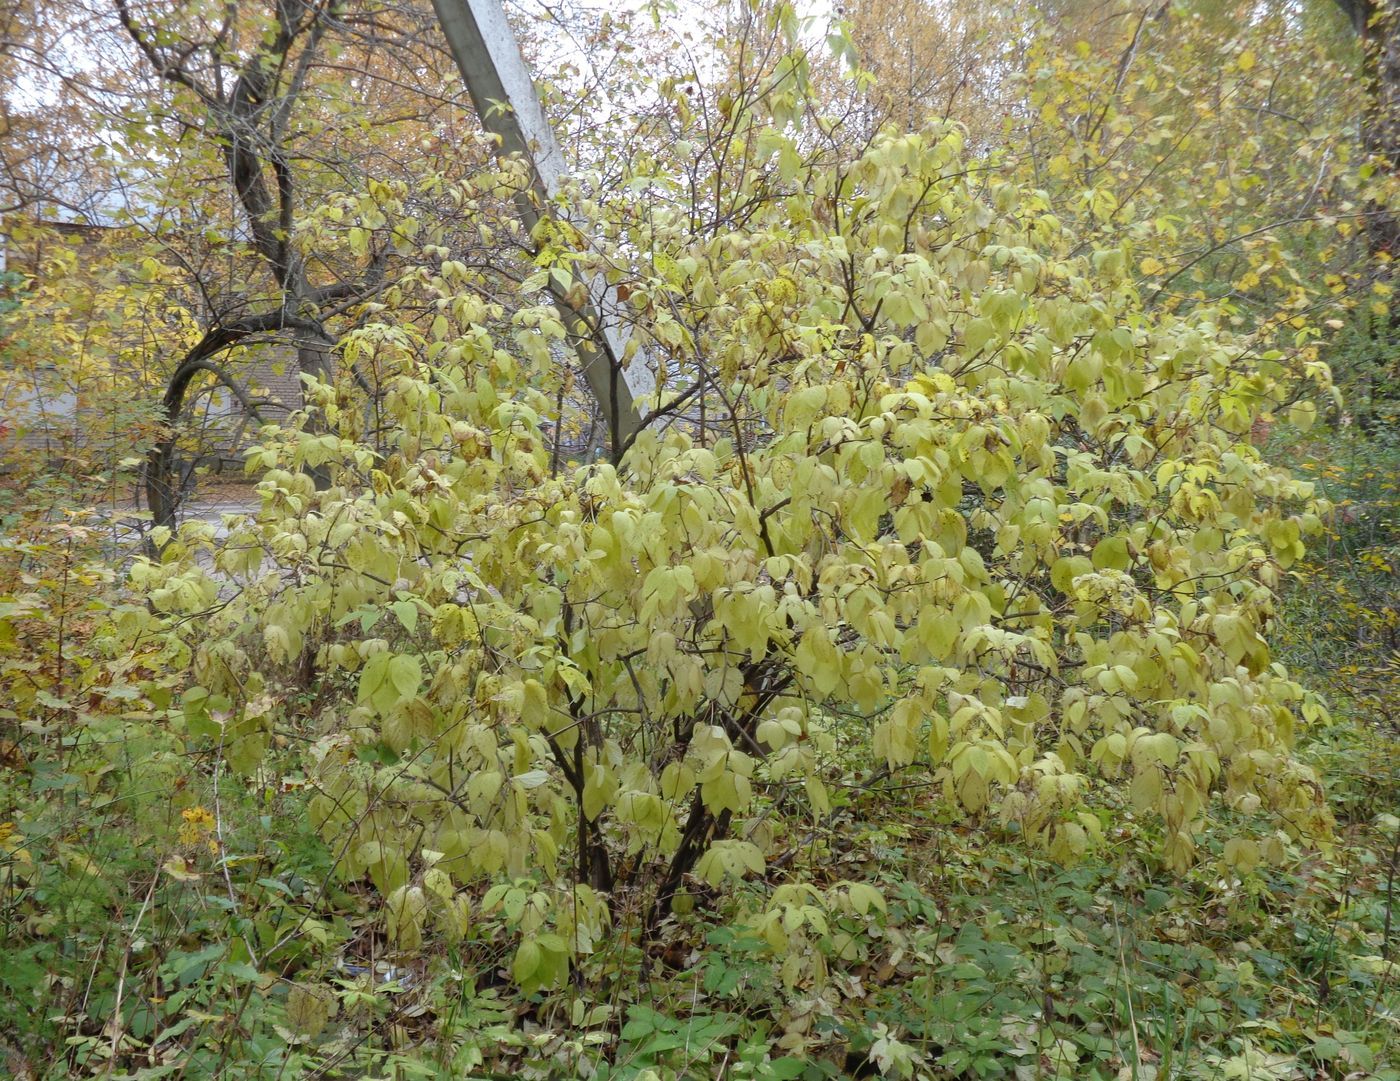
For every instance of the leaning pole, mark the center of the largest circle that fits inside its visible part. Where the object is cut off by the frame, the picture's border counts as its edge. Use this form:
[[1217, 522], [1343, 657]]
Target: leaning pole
[[488, 56]]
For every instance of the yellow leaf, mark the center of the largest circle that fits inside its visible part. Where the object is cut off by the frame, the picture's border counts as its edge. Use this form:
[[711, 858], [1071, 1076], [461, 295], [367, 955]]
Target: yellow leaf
[[177, 868], [1241, 854]]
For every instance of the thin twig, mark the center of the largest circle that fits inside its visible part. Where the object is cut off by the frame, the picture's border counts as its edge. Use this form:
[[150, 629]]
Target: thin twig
[[116, 1021]]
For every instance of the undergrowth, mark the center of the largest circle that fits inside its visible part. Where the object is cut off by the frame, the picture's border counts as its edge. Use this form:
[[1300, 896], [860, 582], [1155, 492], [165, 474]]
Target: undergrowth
[[159, 918]]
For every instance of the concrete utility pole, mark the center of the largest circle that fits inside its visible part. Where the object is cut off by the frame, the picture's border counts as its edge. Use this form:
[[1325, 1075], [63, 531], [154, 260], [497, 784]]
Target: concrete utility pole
[[489, 57]]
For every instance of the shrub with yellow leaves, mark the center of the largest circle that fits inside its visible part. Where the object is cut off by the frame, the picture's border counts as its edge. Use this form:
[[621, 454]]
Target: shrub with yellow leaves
[[975, 513]]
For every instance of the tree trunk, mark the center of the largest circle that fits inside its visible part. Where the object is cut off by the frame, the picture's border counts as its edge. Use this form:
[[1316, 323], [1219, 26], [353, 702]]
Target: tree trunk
[[1377, 26]]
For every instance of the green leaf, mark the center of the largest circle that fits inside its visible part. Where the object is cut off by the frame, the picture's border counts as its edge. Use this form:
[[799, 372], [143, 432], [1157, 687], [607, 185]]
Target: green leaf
[[406, 674], [407, 613]]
